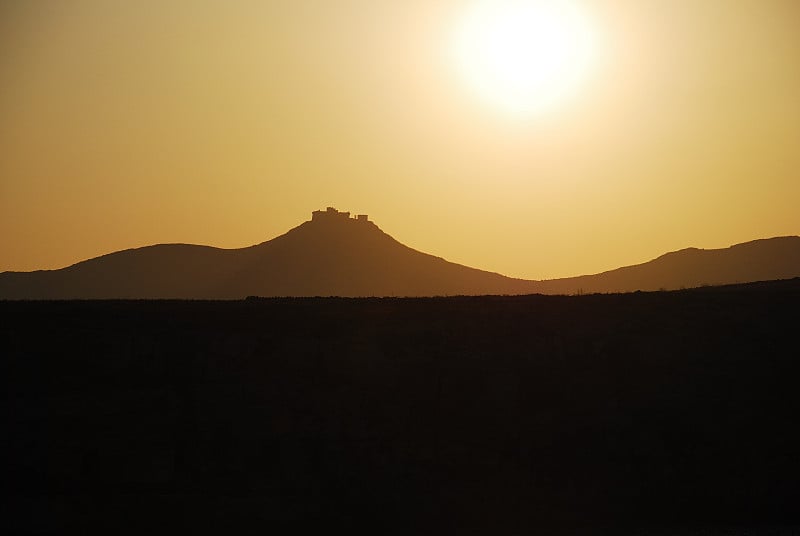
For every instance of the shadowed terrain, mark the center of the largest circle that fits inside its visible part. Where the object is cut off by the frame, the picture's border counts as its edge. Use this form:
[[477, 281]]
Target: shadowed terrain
[[759, 260], [645, 413], [335, 255]]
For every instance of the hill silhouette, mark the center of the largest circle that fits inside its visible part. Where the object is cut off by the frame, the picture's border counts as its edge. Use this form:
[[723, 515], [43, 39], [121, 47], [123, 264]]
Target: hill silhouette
[[336, 255], [330, 255], [759, 260]]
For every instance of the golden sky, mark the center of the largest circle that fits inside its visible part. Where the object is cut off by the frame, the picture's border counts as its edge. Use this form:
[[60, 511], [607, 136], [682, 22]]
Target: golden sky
[[226, 123]]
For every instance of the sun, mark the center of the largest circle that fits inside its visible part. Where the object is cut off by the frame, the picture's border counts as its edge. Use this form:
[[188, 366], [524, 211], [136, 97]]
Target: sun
[[525, 56]]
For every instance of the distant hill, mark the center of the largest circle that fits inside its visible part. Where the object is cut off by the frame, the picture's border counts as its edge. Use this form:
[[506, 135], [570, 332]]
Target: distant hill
[[332, 255], [760, 260], [336, 255]]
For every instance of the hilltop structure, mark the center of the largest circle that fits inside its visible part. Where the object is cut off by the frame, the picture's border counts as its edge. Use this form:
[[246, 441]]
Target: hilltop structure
[[331, 213]]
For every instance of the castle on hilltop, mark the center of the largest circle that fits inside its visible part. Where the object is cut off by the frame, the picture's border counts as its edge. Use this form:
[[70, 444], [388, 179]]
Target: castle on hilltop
[[331, 213]]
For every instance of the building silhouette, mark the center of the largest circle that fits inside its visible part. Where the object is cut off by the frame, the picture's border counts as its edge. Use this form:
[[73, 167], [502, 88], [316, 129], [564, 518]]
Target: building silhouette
[[331, 214]]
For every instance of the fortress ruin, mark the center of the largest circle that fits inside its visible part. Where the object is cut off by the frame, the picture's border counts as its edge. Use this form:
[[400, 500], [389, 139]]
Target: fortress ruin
[[330, 214]]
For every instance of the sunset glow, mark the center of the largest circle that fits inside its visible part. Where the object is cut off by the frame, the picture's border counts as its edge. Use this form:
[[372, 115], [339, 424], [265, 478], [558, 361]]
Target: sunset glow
[[530, 138], [525, 55]]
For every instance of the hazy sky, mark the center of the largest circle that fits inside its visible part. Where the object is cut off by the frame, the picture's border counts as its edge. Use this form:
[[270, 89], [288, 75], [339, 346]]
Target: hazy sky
[[126, 123]]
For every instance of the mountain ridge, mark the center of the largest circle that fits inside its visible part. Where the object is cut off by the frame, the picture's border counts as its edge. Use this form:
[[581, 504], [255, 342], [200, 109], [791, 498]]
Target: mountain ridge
[[334, 254], [762, 259]]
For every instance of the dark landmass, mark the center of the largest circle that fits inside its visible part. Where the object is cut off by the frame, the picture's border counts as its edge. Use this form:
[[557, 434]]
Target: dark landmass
[[758, 260], [642, 413], [329, 256], [335, 255]]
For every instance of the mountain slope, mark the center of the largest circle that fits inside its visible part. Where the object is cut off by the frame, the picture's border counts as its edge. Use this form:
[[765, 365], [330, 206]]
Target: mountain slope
[[759, 260], [338, 256]]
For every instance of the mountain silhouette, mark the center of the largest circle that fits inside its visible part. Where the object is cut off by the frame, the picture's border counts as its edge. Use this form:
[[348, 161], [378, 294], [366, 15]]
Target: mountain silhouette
[[337, 255], [332, 254], [759, 260]]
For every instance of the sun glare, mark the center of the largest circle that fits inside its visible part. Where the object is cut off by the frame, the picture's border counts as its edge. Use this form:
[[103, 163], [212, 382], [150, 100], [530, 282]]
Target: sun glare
[[525, 55]]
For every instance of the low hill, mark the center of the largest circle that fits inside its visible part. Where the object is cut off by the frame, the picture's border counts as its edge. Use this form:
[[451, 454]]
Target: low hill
[[759, 260]]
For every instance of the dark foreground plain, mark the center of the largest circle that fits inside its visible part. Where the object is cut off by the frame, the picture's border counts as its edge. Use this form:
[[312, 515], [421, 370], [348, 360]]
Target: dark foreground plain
[[644, 413]]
